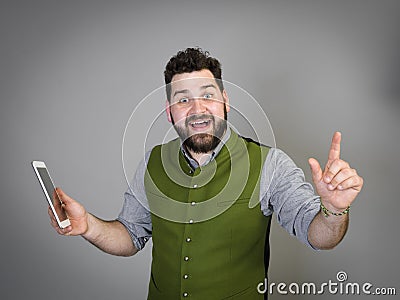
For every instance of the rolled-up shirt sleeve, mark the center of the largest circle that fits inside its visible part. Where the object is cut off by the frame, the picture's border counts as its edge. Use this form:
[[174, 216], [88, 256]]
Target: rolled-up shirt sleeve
[[285, 192], [135, 214]]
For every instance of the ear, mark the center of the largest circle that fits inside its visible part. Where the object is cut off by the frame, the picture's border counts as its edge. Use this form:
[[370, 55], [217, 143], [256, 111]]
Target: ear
[[226, 100], [168, 110]]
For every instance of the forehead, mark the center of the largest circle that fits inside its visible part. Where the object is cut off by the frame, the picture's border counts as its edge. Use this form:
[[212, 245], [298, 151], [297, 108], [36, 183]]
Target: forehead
[[192, 80]]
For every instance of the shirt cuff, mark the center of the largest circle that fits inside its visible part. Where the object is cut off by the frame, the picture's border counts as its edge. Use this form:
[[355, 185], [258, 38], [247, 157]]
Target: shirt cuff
[[138, 242]]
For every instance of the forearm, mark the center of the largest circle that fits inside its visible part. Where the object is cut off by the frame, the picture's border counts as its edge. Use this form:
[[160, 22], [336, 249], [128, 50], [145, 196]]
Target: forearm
[[326, 232], [109, 236]]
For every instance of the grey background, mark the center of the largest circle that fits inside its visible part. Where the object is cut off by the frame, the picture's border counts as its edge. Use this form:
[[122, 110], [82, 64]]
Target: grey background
[[71, 73]]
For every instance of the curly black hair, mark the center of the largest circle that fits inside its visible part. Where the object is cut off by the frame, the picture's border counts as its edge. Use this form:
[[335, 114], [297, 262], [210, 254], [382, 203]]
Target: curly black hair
[[190, 60]]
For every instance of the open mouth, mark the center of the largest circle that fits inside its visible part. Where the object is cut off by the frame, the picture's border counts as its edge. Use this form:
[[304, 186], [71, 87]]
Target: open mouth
[[200, 123]]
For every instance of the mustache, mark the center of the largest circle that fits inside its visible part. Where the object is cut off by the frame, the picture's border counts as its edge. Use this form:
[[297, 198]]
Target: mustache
[[200, 117]]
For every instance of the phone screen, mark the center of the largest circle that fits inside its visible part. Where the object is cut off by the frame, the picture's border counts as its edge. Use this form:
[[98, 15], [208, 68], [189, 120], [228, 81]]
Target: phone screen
[[51, 192]]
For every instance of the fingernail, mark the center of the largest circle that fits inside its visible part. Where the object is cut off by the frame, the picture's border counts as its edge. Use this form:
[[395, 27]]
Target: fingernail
[[340, 187], [327, 179], [330, 187]]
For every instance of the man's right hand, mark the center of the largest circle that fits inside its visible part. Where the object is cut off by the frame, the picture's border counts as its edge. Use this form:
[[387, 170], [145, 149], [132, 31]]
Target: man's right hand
[[110, 236], [76, 213]]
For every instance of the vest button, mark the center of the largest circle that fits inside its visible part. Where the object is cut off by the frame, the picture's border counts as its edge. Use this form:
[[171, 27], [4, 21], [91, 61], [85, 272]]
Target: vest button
[[188, 239], [186, 276], [195, 185], [186, 258], [185, 294], [193, 203], [191, 221]]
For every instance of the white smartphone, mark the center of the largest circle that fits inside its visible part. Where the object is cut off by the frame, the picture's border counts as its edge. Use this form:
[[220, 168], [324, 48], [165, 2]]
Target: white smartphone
[[50, 192]]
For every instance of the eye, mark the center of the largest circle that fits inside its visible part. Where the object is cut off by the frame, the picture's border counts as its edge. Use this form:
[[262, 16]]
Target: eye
[[184, 100], [207, 96]]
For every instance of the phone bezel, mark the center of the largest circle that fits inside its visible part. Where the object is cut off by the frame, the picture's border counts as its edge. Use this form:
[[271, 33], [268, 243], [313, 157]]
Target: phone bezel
[[40, 164]]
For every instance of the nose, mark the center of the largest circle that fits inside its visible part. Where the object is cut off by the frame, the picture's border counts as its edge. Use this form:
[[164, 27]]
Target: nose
[[198, 106]]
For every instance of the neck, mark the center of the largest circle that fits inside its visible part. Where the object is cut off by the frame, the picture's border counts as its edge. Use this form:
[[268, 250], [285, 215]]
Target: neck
[[201, 158]]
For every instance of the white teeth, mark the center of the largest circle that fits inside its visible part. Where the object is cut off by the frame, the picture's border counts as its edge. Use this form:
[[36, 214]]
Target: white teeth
[[199, 122]]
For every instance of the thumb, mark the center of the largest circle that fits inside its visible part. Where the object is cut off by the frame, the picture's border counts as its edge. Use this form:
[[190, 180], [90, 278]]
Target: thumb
[[65, 199], [316, 170]]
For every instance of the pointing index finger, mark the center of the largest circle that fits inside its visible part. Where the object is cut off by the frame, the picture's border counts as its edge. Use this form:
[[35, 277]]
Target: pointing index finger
[[334, 151]]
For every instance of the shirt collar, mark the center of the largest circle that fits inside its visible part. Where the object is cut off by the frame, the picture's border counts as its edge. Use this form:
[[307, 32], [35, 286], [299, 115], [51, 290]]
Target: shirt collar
[[194, 164]]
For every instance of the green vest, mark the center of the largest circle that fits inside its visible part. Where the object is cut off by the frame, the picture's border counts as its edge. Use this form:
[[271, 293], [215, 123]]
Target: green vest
[[209, 232]]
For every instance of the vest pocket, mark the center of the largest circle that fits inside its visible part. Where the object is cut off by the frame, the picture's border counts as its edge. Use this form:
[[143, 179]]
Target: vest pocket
[[246, 294], [237, 202]]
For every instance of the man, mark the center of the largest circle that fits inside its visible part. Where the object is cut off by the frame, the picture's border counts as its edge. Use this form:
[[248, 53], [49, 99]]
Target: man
[[206, 198]]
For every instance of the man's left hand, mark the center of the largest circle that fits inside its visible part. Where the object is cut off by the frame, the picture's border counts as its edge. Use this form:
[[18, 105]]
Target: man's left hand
[[338, 184]]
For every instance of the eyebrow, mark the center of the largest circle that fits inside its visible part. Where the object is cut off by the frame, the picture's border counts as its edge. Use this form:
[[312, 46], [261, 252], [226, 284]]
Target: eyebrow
[[203, 87], [185, 91], [181, 92], [207, 86]]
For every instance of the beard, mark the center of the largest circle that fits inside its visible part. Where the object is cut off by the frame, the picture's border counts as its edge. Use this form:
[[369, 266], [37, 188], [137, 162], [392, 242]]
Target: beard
[[202, 142]]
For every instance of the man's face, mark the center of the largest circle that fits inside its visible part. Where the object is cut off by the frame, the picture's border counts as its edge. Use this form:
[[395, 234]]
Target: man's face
[[198, 110]]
